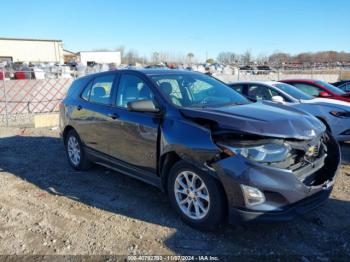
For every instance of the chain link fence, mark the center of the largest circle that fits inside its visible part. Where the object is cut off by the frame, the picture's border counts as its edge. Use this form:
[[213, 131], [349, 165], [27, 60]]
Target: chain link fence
[[26, 94], [21, 99]]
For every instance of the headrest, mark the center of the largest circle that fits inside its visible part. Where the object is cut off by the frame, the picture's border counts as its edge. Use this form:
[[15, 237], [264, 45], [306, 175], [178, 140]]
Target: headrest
[[166, 87], [99, 91]]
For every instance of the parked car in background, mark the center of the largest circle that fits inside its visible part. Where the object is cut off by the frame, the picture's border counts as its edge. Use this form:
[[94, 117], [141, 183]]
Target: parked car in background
[[318, 88], [264, 70], [343, 85], [216, 154], [246, 68], [334, 114], [156, 66]]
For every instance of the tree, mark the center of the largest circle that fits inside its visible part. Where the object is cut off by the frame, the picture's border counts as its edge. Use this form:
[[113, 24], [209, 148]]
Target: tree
[[247, 57], [155, 57], [226, 58], [210, 61], [189, 57], [279, 58], [233, 58], [131, 57], [121, 49]]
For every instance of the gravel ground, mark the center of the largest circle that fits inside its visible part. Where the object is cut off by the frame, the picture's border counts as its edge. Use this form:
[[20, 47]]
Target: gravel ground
[[48, 208]]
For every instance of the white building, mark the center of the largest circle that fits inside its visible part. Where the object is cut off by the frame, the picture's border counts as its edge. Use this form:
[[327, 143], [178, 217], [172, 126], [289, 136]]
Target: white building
[[31, 50], [100, 57]]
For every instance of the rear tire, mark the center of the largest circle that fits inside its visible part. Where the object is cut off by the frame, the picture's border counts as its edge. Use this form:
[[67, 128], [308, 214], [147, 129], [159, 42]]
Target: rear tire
[[196, 196], [75, 151]]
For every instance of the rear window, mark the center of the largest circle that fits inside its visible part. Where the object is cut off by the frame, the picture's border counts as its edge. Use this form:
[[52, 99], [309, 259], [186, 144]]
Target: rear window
[[293, 91], [77, 85], [99, 90], [330, 87]]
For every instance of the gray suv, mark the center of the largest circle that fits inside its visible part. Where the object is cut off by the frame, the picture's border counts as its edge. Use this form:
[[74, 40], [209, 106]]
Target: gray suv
[[218, 156]]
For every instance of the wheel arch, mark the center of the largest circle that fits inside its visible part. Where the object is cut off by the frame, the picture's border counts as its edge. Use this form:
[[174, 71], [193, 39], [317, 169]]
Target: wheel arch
[[324, 121], [166, 162], [66, 131]]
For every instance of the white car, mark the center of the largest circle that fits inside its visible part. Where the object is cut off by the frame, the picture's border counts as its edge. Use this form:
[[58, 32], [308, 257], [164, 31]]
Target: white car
[[333, 113]]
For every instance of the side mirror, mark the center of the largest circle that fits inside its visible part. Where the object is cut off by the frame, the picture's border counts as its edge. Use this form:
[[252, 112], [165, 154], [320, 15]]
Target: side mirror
[[324, 94], [278, 99], [146, 105]]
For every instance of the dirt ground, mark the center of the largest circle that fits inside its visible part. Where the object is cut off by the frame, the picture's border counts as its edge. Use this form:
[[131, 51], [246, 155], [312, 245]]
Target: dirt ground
[[48, 208]]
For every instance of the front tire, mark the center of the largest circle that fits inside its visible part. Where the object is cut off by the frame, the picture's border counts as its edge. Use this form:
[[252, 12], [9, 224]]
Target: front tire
[[196, 196], [75, 151]]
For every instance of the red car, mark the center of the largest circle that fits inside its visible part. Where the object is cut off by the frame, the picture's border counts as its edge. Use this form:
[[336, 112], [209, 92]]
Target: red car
[[318, 88]]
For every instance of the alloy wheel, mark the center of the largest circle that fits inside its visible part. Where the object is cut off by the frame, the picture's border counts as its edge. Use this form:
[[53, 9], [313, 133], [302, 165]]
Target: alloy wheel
[[74, 152], [192, 195]]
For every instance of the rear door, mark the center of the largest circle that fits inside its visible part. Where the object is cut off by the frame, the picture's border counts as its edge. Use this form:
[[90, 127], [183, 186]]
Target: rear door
[[93, 113], [135, 134]]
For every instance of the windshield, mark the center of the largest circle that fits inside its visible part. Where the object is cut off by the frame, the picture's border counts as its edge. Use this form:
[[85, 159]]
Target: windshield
[[293, 91], [197, 90], [332, 88]]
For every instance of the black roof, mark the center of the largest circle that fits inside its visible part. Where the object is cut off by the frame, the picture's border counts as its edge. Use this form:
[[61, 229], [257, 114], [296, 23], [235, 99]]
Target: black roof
[[148, 72]]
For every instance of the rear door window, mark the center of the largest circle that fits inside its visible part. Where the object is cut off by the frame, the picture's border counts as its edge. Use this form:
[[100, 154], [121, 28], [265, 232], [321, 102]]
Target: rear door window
[[100, 90], [238, 88], [308, 89]]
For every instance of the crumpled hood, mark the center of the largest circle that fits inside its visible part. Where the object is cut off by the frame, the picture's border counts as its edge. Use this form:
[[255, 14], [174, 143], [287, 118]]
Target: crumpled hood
[[261, 118]]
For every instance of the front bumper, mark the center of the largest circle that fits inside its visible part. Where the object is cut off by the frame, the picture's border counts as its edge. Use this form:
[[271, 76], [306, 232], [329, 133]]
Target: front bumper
[[288, 213], [287, 193]]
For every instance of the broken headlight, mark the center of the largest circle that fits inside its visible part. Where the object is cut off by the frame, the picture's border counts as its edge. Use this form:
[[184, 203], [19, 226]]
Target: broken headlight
[[266, 153]]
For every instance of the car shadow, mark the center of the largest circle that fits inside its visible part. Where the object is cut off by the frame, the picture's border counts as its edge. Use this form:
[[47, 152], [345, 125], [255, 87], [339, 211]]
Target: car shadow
[[345, 150], [42, 162]]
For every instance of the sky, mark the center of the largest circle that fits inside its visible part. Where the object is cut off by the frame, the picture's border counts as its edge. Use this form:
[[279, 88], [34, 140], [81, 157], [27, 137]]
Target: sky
[[202, 27]]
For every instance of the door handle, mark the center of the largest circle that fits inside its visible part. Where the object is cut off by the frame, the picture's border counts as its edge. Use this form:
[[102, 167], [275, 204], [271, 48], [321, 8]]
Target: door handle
[[79, 107], [113, 115]]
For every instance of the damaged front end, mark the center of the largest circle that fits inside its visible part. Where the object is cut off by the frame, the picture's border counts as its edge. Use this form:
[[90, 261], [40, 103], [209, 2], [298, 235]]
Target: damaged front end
[[275, 176], [271, 167]]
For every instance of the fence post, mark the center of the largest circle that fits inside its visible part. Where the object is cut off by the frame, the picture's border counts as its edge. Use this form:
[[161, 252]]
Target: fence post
[[5, 96], [238, 74]]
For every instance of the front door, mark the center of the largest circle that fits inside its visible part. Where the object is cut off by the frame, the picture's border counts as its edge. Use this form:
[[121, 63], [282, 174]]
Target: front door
[[135, 134]]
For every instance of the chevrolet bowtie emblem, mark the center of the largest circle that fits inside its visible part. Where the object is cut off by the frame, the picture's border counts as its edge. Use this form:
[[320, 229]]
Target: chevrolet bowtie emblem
[[311, 151]]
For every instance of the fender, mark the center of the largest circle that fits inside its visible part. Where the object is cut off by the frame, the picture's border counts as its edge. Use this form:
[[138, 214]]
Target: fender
[[190, 141]]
